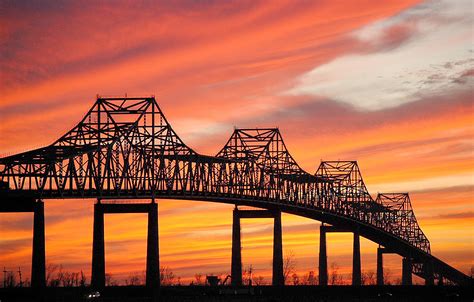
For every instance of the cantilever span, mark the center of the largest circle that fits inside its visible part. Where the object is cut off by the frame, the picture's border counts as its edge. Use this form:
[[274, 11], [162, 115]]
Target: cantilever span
[[124, 148]]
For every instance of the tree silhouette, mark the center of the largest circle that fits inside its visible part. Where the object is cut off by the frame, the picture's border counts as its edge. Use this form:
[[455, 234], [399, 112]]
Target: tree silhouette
[[198, 280], [335, 278], [167, 276], [259, 280], [368, 278], [133, 280], [295, 279], [10, 279], [309, 279], [387, 275], [289, 265]]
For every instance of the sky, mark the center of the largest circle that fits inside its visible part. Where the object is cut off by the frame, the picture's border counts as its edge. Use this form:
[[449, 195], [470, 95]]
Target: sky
[[386, 83]]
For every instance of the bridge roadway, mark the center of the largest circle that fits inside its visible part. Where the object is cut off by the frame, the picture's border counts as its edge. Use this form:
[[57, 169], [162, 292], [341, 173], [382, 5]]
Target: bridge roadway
[[124, 148]]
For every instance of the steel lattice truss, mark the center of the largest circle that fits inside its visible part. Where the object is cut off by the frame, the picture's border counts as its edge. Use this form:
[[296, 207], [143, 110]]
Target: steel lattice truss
[[125, 148], [397, 214]]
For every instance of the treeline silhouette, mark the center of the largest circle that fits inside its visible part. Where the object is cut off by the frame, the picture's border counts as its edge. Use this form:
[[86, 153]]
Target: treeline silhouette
[[57, 276]]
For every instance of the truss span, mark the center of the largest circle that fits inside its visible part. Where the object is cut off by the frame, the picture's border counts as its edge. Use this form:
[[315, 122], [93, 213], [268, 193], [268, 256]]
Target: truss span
[[125, 148]]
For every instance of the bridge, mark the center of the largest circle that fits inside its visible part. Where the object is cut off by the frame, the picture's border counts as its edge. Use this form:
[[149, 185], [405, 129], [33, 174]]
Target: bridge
[[125, 149]]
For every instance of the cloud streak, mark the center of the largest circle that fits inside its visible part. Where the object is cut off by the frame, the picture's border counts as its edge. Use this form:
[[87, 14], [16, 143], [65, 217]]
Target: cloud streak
[[375, 79]]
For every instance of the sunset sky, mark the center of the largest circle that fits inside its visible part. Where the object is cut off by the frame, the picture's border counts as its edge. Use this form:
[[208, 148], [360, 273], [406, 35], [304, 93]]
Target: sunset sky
[[386, 83]]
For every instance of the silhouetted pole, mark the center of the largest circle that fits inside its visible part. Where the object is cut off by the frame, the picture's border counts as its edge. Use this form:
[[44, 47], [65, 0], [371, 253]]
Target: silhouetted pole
[[38, 267], [236, 265], [323, 260], [98, 250], [379, 266], [277, 277], [406, 271], [356, 271], [153, 255]]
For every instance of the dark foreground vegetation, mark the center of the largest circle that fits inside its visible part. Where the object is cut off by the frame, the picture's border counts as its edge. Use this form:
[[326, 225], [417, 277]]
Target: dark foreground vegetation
[[258, 293]]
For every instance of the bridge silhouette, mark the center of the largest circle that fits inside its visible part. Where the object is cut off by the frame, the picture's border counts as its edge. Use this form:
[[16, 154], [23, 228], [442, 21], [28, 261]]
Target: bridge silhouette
[[124, 149]]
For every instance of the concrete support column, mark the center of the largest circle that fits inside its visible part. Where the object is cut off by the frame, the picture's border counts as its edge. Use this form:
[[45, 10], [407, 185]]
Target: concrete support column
[[277, 277], [406, 271], [38, 267], [153, 255], [428, 272], [98, 249], [236, 265], [379, 266], [440, 281], [356, 270], [323, 260]]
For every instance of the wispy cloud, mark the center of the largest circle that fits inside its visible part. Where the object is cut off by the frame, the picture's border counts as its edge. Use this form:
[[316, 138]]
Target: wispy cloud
[[419, 53]]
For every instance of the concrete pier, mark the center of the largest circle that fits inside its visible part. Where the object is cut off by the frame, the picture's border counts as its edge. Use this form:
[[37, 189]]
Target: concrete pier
[[380, 280], [356, 269], [236, 263], [152, 254], [407, 271], [277, 277], [428, 272], [323, 260], [38, 266], [98, 250]]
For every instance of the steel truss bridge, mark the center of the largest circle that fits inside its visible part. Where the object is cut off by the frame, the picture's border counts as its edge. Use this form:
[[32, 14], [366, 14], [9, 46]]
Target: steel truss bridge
[[124, 148]]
